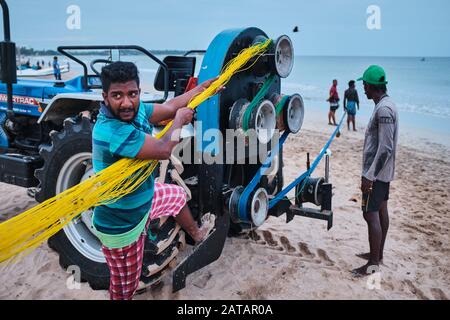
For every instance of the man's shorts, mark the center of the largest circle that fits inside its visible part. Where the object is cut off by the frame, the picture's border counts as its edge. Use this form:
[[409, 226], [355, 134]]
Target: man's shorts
[[334, 106], [351, 108], [372, 201], [125, 264]]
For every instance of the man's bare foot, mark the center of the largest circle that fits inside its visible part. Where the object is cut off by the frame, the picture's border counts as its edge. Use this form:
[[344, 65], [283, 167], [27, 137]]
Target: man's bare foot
[[354, 130], [208, 222], [366, 256], [365, 270], [330, 123]]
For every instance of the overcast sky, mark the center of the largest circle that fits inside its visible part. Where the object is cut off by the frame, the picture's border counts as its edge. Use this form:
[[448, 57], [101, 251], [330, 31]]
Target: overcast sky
[[327, 27]]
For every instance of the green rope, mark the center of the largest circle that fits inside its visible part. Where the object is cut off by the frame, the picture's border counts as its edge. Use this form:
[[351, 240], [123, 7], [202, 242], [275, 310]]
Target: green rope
[[280, 104], [256, 100]]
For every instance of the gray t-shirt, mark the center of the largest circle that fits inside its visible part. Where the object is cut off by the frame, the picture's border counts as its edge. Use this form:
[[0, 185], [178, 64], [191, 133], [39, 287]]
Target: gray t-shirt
[[380, 142]]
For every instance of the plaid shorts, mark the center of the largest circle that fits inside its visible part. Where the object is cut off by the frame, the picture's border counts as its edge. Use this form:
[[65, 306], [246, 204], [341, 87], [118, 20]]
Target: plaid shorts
[[125, 264]]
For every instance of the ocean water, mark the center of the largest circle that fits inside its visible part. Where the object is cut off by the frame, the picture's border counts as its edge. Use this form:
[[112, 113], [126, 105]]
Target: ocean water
[[417, 86], [420, 89]]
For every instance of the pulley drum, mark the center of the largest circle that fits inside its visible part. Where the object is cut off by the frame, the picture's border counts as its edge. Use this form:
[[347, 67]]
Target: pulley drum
[[294, 113], [311, 191], [282, 52], [263, 121], [257, 207], [284, 56], [276, 98], [233, 204], [237, 114], [262, 118]]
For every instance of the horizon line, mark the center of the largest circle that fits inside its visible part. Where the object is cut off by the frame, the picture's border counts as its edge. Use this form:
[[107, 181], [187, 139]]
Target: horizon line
[[297, 55]]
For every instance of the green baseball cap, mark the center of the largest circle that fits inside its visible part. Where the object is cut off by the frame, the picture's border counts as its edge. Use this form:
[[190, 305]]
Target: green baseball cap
[[374, 75]]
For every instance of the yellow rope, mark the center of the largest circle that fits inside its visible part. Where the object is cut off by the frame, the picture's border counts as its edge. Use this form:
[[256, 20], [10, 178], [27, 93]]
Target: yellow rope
[[29, 229]]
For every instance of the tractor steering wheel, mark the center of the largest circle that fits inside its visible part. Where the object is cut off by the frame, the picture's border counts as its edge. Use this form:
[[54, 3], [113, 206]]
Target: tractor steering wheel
[[95, 61]]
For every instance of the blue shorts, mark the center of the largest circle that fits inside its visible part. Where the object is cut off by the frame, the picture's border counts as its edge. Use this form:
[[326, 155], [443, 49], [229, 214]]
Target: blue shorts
[[351, 108]]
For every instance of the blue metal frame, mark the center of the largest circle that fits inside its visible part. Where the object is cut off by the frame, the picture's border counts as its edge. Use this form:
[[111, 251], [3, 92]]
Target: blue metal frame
[[41, 90], [209, 111]]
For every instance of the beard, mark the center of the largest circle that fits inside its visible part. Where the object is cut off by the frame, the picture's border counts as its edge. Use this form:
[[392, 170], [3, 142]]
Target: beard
[[123, 114], [126, 114]]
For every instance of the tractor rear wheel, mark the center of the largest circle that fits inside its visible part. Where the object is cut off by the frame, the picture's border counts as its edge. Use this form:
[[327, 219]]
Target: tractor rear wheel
[[67, 162]]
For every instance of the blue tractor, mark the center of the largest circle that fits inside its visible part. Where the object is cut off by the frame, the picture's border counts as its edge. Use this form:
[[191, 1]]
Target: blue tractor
[[45, 145]]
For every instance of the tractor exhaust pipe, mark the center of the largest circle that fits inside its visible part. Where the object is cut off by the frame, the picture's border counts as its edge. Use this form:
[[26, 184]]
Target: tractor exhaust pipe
[[8, 61], [9, 101]]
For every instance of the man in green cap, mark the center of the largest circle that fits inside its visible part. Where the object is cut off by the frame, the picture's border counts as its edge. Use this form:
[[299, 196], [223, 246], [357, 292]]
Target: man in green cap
[[380, 145]]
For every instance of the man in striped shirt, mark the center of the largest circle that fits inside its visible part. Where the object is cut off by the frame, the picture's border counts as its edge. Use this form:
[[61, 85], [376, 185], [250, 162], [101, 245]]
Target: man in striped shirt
[[123, 129]]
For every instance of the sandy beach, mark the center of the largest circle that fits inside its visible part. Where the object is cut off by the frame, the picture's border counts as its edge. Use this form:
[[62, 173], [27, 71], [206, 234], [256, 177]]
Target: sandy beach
[[299, 260], [316, 49]]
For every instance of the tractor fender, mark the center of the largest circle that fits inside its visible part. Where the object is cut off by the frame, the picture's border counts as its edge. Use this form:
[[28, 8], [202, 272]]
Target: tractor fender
[[67, 105]]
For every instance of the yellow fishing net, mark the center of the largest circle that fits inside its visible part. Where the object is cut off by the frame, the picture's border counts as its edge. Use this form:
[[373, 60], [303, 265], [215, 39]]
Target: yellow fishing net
[[29, 229]]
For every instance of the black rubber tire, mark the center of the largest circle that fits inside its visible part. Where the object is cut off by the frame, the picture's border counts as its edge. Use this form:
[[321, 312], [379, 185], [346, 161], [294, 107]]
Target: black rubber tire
[[75, 137], [95, 273]]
